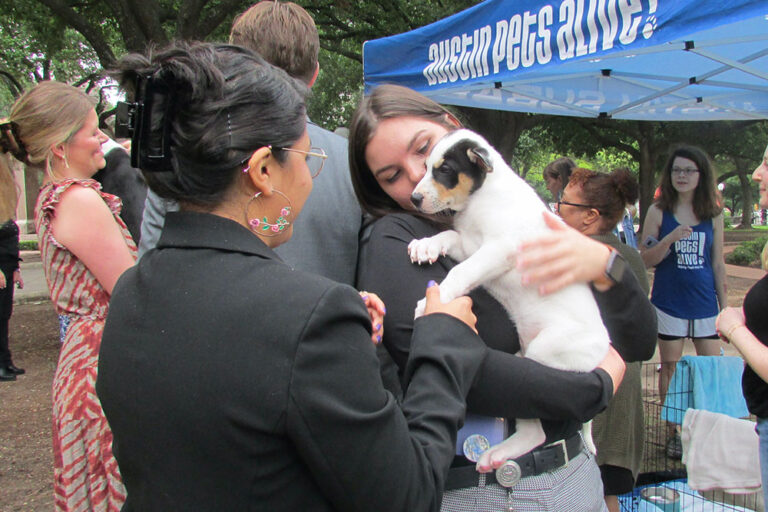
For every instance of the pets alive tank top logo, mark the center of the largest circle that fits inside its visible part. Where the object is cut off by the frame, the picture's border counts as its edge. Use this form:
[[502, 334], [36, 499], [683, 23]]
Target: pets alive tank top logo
[[690, 251]]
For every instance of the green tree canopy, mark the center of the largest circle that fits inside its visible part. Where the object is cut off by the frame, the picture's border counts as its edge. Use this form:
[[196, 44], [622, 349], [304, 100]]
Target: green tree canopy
[[74, 40]]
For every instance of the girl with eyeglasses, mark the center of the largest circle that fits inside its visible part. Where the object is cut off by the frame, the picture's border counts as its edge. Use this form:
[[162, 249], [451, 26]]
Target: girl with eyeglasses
[[683, 240], [593, 203]]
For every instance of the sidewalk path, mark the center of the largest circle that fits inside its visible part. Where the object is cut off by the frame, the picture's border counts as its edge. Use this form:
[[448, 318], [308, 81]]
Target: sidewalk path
[[754, 274]]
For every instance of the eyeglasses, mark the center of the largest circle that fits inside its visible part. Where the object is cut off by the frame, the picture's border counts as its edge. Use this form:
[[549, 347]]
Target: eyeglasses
[[573, 204], [316, 158], [685, 171]]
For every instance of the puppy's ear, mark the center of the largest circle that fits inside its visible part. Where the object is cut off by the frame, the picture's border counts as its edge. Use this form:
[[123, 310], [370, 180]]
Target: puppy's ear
[[481, 158]]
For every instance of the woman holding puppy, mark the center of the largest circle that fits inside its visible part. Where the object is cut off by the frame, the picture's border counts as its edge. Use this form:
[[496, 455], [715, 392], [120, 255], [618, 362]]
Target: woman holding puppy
[[391, 134]]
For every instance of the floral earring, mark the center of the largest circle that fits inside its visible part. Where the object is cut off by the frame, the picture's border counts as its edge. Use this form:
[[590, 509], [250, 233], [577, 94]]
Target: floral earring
[[262, 226]]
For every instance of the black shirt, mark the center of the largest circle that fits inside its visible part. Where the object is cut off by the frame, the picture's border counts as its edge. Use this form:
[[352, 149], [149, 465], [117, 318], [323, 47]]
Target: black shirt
[[755, 389], [233, 382], [506, 385]]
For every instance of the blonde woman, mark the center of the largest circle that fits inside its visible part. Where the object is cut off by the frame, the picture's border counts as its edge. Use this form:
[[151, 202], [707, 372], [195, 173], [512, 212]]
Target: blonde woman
[[10, 273], [85, 247]]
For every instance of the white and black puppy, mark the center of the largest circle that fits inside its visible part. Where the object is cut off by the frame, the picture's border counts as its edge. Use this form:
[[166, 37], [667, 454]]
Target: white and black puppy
[[496, 210]]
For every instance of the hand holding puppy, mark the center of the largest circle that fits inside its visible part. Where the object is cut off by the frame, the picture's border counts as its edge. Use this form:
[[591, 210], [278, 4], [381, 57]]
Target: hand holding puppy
[[376, 311], [460, 308], [615, 366], [561, 257]]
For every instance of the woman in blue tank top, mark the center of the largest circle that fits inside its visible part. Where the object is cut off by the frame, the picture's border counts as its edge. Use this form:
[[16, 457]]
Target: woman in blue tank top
[[683, 239]]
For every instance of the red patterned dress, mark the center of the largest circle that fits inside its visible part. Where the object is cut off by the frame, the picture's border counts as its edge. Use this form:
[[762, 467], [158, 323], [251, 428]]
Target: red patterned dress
[[86, 476]]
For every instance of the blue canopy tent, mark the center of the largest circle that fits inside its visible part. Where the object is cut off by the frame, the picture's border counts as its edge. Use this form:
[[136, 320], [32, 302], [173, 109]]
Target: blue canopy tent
[[661, 60]]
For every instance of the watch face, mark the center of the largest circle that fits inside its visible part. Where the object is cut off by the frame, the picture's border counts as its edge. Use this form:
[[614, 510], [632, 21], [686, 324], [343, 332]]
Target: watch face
[[616, 267]]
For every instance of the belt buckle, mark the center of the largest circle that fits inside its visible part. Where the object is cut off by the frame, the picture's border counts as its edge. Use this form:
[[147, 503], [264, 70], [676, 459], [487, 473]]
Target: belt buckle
[[562, 444], [509, 474]]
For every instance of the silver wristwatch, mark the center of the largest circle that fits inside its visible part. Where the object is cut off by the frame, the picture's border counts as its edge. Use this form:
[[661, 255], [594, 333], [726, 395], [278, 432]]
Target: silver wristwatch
[[616, 266]]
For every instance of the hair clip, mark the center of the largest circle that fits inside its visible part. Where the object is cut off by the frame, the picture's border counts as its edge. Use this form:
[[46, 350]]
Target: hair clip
[[147, 122], [229, 129]]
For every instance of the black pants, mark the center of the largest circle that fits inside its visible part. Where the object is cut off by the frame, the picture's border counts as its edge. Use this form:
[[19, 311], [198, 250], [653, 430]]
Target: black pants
[[6, 308]]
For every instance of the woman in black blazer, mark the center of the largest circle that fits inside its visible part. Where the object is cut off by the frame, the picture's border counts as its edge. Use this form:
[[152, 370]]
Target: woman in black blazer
[[230, 380]]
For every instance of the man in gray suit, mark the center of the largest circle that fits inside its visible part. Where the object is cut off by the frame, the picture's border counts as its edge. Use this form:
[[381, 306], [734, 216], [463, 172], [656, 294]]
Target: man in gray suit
[[325, 236]]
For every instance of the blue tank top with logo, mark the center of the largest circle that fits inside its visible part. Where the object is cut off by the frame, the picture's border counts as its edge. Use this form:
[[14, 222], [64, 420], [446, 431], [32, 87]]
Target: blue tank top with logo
[[684, 283]]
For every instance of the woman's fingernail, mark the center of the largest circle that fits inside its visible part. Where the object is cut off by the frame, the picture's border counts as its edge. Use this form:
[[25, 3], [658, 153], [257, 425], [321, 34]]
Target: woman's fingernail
[[378, 326], [364, 297], [378, 338], [431, 283]]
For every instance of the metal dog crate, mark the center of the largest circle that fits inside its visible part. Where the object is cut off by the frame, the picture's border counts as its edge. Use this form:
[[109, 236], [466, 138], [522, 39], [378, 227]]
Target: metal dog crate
[[658, 469]]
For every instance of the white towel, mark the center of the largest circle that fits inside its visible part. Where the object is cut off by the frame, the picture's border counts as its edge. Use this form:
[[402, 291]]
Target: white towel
[[720, 452]]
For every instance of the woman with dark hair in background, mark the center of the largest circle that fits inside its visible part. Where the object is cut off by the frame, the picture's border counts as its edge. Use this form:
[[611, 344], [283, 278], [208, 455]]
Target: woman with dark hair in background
[[391, 134], [556, 175], [10, 273], [84, 246], [232, 381], [593, 203], [683, 238]]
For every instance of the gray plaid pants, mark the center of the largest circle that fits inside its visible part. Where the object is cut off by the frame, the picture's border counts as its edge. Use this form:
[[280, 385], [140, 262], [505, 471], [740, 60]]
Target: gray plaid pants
[[574, 488]]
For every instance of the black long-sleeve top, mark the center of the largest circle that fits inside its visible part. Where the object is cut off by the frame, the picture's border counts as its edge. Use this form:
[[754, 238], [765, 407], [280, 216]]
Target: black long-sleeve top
[[506, 385], [233, 382], [9, 245]]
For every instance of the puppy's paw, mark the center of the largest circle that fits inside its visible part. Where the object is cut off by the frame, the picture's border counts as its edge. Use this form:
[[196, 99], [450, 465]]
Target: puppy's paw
[[484, 463], [426, 250], [493, 458], [451, 289], [420, 307]]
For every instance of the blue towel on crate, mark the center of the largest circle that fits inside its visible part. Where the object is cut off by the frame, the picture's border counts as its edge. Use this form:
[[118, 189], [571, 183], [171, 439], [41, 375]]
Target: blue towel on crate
[[712, 383]]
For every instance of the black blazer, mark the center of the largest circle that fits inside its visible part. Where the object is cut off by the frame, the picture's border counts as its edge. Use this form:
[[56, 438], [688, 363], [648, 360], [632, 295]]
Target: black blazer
[[232, 382]]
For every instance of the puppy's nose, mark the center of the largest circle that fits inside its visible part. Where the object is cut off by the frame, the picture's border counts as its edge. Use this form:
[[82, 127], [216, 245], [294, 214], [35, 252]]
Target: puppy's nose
[[417, 199]]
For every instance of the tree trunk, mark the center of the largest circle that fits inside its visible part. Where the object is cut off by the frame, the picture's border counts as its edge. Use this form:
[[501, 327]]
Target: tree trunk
[[501, 128], [746, 199], [31, 188], [647, 169]]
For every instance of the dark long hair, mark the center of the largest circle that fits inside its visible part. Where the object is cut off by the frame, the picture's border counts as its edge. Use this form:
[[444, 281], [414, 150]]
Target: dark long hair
[[385, 102], [705, 204], [560, 168], [226, 103]]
